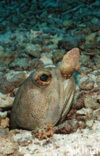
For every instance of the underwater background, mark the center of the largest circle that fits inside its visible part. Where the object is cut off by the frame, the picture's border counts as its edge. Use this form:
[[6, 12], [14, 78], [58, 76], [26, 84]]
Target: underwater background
[[33, 32], [30, 29]]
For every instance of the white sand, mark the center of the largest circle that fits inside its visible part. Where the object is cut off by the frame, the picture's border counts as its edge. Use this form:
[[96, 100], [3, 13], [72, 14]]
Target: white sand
[[83, 142]]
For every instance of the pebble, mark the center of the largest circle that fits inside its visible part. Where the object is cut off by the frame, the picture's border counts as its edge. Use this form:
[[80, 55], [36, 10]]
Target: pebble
[[3, 115], [87, 85], [86, 111], [6, 100], [90, 101], [57, 56], [11, 80], [67, 24], [84, 59], [7, 146], [4, 123], [46, 61], [96, 114], [89, 123], [33, 50], [20, 64]]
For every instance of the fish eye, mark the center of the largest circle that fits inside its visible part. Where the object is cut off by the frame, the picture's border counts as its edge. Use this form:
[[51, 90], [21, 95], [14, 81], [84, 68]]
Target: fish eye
[[42, 78]]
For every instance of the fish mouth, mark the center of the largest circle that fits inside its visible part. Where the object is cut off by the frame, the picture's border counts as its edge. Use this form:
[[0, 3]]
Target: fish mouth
[[69, 91]]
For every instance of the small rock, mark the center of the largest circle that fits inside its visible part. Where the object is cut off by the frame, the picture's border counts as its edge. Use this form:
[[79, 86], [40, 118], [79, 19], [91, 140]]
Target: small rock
[[6, 100], [33, 50], [46, 61], [22, 137], [89, 123], [87, 85], [7, 146], [96, 114], [20, 64], [48, 48], [4, 123], [67, 24], [90, 101], [84, 60], [57, 56], [91, 37], [70, 42], [88, 112], [46, 58], [15, 74], [3, 115], [11, 80], [4, 131], [44, 133]]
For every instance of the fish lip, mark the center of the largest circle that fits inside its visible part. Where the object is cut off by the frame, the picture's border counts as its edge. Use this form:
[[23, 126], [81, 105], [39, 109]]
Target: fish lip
[[68, 101]]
